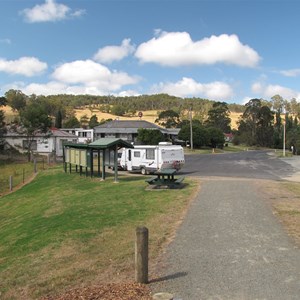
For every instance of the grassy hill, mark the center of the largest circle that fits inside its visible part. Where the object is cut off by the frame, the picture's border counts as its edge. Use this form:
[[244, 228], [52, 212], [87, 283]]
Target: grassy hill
[[149, 115]]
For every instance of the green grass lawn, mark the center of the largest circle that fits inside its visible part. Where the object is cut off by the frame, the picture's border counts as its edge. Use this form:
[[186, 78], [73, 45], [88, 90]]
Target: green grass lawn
[[63, 230]]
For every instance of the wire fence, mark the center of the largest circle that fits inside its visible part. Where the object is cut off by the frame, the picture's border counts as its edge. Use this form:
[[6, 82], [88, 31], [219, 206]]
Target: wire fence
[[14, 174]]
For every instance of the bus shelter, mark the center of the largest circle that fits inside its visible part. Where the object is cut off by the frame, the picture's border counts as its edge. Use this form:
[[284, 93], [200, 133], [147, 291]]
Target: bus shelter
[[98, 155]]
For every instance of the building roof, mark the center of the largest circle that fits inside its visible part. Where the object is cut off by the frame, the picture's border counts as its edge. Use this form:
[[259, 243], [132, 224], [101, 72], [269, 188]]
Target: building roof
[[103, 143], [127, 124], [54, 132], [131, 126], [61, 133]]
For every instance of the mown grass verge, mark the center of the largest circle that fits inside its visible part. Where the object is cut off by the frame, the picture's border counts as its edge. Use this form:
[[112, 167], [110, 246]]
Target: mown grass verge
[[63, 230], [285, 197]]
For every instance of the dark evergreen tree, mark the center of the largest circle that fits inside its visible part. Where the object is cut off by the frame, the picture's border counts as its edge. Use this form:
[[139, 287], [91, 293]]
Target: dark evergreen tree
[[72, 122], [150, 136], [93, 121], [58, 119], [218, 117]]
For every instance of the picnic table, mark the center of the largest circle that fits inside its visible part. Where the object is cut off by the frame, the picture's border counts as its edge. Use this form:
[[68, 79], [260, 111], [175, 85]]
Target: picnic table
[[165, 177]]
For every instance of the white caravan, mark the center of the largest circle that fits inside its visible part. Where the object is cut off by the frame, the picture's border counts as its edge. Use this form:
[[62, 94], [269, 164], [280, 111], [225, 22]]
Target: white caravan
[[148, 159]]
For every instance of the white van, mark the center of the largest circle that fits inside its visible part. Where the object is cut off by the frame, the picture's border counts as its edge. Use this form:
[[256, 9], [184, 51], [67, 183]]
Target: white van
[[148, 159]]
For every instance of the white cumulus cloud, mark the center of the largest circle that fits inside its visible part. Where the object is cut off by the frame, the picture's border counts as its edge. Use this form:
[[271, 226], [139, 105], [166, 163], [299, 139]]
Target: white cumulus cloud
[[50, 11], [27, 66], [188, 87], [93, 75], [270, 90], [109, 54], [177, 49]]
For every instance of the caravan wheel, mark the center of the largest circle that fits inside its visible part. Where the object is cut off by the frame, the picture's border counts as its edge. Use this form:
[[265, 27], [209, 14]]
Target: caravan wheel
[[143, 171]]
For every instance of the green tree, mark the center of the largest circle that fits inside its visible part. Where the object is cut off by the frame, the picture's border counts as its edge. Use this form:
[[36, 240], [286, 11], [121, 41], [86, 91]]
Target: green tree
[[34, 120], [200, 136], [215, 137], [93, 121], [256, 124], [16, 99], [72, 122], [58, 119], [218, 117], [278, 103], [118, 110], [168, 119], [150, 136], [3, 102]]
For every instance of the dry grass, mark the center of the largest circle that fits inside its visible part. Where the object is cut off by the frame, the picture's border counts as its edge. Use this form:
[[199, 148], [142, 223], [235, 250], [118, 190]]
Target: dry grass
[[285, 200], [10, 115], [148, 115]]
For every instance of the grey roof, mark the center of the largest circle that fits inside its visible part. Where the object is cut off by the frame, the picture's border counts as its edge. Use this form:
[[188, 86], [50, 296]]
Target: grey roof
[[53, 132], [61, 133]]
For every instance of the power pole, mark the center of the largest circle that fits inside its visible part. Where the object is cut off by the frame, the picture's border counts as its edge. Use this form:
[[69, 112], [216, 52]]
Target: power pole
[[191, 128]]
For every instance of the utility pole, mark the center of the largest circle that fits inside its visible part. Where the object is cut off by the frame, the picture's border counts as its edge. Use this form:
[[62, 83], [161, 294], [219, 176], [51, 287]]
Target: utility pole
[[191, 128], [284, 135]]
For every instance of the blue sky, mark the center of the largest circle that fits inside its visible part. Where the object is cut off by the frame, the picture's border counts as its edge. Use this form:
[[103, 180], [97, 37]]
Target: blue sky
[[221, 50]]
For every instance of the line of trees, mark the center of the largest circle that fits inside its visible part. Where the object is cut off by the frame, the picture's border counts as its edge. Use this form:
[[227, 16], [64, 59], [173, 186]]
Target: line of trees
[[261, 122]]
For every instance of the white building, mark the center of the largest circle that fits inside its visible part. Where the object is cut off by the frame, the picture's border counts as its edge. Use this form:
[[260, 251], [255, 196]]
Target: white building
[[85, 136], [51, 142]]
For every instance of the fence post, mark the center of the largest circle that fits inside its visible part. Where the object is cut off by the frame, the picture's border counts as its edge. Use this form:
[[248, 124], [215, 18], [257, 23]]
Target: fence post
[[23, 175], [141, 255], [10, 182], [34, 165]]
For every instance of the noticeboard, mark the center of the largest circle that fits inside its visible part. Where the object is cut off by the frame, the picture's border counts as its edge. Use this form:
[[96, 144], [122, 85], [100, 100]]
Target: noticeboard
[[79, 157]]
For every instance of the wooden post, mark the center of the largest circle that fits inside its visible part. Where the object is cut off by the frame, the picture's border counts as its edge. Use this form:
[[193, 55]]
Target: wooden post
[[141, 255], [23, 175], [34, 165], [10, 182]]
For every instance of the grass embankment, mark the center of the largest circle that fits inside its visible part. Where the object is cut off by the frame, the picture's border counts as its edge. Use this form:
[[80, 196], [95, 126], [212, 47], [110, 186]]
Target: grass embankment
[[20, 172], [63, 230]]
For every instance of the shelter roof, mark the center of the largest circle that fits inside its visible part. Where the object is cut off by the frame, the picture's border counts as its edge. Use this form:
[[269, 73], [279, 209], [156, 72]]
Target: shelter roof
[[103, 143]]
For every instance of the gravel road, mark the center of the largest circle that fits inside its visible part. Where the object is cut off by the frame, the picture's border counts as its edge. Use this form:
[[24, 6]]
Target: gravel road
[[230, 246]]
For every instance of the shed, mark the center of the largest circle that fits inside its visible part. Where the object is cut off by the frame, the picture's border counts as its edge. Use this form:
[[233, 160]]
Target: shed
[[82, 156]]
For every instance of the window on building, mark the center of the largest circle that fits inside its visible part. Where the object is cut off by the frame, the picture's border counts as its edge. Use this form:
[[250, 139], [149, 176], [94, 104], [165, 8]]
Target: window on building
[[33, 145]]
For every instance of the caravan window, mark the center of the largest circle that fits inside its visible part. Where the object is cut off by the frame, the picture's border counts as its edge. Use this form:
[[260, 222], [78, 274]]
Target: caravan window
[[137, 154], [150, 154]]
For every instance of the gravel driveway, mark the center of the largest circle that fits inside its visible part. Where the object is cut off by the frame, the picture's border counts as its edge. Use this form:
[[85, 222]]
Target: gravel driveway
[[230, 246]]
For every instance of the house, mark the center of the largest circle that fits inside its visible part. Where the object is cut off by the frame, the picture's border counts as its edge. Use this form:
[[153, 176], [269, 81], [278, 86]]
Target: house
[[42, 143], [84, 135], [228, 137], [128, 130]]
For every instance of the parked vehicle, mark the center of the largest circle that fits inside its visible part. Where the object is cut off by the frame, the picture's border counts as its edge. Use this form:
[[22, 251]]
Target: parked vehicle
[[148, 159]]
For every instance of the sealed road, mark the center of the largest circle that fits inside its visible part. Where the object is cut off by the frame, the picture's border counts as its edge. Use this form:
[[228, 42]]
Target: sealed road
[[230, 245]]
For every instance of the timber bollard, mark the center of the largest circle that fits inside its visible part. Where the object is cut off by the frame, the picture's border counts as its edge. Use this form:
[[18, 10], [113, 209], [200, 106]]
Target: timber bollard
[[34, 165], [10, 183], [141, 255]]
